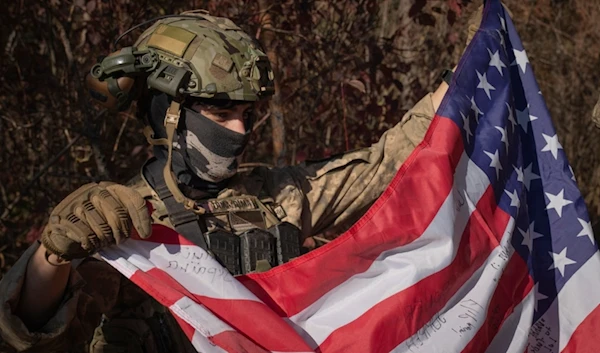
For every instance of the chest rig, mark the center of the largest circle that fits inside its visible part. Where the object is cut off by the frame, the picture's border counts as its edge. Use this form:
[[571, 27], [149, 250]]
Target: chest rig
[[244, 233]]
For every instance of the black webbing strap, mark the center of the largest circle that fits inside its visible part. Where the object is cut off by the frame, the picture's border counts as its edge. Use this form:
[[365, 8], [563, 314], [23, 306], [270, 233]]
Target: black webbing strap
[[185, 221], [447, 76]]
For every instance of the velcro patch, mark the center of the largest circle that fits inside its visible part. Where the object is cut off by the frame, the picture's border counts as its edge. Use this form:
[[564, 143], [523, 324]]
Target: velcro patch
[[171, 39], [233, 204], [279, 212], [222, 62]]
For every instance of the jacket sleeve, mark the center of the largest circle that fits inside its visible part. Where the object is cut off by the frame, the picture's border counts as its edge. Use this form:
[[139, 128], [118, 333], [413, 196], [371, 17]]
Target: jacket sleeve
[[334, 193], [93, 289]]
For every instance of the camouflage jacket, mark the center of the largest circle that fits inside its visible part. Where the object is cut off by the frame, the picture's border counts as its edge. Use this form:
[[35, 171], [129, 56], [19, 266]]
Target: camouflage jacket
[[316, 197]]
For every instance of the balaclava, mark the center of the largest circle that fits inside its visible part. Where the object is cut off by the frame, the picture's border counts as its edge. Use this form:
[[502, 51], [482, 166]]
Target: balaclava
[[208, 150]]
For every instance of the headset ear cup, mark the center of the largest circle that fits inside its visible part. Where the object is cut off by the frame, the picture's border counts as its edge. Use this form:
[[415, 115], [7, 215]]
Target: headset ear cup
[[115, 94], [98, 90]]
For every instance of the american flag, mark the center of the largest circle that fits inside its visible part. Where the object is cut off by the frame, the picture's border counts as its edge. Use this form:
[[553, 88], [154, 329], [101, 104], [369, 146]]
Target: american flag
[[481, 243]]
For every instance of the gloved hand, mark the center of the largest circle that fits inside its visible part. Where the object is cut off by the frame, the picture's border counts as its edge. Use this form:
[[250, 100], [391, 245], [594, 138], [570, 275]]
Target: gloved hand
[[475, 20], [95, 216]]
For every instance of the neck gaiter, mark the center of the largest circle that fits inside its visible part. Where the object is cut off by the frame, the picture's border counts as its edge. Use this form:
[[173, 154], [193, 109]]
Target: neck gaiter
[[208, 149]]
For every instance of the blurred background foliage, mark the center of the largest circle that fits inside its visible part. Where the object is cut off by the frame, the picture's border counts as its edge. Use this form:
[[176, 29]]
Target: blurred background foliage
[[348, 70]]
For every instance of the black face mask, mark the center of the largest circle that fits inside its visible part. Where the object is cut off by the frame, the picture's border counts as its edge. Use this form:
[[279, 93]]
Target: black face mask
[[209, 150]]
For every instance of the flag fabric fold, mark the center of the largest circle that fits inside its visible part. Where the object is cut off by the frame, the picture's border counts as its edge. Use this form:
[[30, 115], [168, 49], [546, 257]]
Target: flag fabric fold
[[481, 242]]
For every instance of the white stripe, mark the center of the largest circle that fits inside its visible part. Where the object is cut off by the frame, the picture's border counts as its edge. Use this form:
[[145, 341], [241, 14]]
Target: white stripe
[[514, 333], [200, 318], [195, 312], [456, 324], [203, 345], [576, 300], [119, 263], [126, 259], [400, 268], [187, 264]]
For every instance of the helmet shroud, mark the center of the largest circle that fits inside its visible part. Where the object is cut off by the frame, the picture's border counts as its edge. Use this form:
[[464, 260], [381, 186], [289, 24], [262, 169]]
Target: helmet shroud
[[222, 61]]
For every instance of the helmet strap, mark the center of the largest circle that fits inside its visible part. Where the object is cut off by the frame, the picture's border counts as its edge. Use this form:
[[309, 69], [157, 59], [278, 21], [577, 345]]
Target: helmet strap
[[171, 121]]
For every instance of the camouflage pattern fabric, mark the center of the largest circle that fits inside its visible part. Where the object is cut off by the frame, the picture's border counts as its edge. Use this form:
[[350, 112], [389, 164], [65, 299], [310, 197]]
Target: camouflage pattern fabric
[[226, 63], [316, 197]]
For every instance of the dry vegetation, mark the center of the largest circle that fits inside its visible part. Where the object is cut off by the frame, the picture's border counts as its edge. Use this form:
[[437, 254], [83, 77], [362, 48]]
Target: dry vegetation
[[348, 70]]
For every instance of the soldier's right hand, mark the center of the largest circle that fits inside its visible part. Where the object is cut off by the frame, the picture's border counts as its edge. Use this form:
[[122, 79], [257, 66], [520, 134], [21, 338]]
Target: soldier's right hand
[[95, 216]]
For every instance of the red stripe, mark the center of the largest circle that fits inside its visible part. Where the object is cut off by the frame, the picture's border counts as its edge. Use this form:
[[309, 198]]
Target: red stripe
[[161, 286], [252, 318], [163, 234], [411, 200], [513, 286], [230, 341], [234, 342], [187, 329], [585, 337], [401, 316], [258, 322]]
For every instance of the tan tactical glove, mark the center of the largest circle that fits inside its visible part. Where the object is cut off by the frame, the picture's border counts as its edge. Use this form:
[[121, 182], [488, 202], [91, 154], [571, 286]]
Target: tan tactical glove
[[475, 20], [95, 216]]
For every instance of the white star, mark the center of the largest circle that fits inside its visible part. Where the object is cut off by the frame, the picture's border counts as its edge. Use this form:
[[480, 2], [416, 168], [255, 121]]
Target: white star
[[552, 145], [484, 84], [519, 172], [587, 230], [526, 238], [495, 162], [560, 261], [538, 296], [476, 109], [529, 235], [534, 235], [511, 117], [514, 198], [502, 21], [524, 117], [496, 62], [529, 176], [557, 202], [466, 126], [520, 59], [572, 173], [503, 139]]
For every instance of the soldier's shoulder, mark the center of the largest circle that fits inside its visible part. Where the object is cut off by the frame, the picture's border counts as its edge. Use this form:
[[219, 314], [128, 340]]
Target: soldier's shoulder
[[249, 181]]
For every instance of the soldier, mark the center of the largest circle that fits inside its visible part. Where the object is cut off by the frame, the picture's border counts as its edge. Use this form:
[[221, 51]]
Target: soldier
[[204, 75]]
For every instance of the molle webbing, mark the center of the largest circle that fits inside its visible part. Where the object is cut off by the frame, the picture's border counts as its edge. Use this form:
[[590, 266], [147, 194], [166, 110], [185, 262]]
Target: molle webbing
[[185, 221], [253, 238]]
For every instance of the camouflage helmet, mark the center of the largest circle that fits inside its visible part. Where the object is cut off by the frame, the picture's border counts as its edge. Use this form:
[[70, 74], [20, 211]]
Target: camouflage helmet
[[211, 56]]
